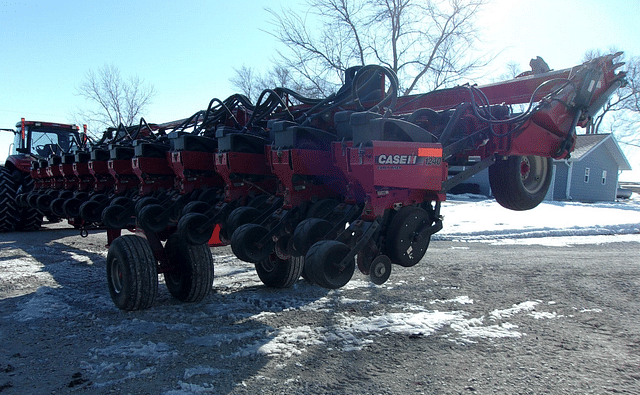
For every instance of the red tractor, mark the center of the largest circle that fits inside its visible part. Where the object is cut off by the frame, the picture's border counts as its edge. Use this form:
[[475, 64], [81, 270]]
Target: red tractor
[[35, 143]]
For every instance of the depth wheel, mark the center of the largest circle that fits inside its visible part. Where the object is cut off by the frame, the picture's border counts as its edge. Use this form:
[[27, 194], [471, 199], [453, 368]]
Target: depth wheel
[[152, 217], [279, 273], [114, 217], [71, 207], [56, 207], [196, 206], [323, 261], [142, 202], [402, 246], [91, 210], [191, 277], [521, 182], [193, 229], [243, 243], [132, 273], [240, 216], [309, 232]]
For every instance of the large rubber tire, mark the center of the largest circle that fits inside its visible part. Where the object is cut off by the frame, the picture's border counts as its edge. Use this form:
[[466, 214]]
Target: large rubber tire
[[9, 215], [192, 276], [322, 264], [132, 273], [401, 247], [280, 273], [30, 218], [521, 182]]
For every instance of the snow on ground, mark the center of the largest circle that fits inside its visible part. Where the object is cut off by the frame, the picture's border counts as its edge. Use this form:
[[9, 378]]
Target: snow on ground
[[467, 218], [470, 218]]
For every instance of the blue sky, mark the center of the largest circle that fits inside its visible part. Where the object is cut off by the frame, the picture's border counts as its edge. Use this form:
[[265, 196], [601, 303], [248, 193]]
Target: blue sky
[[188, 49]]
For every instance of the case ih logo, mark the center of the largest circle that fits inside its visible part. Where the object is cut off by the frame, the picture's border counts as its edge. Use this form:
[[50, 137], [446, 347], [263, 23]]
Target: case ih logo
[[432, 156], [396, 159]]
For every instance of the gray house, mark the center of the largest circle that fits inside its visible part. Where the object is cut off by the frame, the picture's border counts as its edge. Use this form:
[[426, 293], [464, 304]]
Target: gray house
[[590, 175]]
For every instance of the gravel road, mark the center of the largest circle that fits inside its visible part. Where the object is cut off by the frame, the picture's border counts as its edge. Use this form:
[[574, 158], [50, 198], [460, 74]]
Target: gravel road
[[477, 318]]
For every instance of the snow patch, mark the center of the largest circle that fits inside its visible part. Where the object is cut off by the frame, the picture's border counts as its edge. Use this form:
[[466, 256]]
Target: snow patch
[[44, 303], [517, 308]]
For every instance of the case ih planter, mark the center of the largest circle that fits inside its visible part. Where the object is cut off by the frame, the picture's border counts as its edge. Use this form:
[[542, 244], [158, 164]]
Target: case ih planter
[[314, 188]]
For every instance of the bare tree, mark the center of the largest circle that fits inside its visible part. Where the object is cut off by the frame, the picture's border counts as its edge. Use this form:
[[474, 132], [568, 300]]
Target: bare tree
[[245, 80], [251, 82], [425, 42], [114, 100], [622, 112]]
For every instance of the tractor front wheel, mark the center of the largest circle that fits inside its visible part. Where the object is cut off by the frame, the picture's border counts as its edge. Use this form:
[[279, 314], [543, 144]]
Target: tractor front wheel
[[9, 216]]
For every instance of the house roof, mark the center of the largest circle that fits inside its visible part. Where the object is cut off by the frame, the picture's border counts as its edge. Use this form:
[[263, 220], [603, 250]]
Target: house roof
[[587, 143]]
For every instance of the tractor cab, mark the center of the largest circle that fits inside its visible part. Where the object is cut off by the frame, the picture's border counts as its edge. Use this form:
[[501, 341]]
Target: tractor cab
[[42, 139]]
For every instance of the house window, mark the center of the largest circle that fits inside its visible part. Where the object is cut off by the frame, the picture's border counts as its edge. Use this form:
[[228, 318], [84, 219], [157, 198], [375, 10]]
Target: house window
[[586, 174], [604, 177]]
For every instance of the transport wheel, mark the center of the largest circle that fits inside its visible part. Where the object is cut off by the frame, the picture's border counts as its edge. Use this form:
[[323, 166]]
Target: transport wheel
[[309, 232], [323, 259], [191, 228], [192, 275], [152, 217], [321, 208], [9, 215], [243, 243], [520, 182], [279, 273], [132, 273], [113, 217], [380, 269], [240, 216], [402, 246]]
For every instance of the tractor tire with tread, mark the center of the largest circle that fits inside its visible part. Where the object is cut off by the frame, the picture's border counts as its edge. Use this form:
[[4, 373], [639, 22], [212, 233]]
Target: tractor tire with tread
[[132, 273], [520, 182], [193, 270]]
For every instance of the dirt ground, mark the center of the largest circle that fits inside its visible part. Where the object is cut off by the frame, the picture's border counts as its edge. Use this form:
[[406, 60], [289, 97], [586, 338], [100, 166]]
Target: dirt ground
[[478, 318]]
